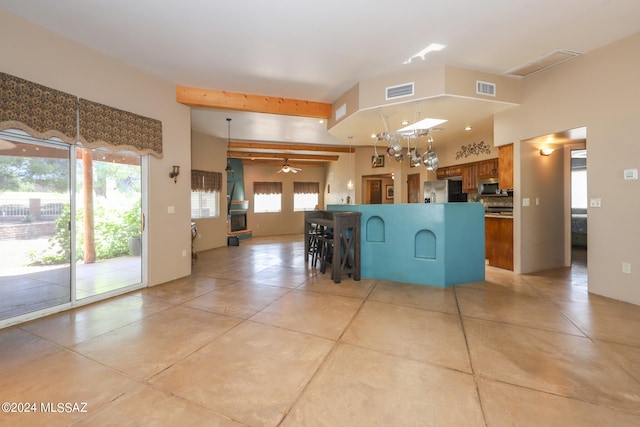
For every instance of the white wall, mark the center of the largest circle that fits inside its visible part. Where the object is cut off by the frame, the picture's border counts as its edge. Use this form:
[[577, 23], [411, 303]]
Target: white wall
[[35, 54], [598, 90]]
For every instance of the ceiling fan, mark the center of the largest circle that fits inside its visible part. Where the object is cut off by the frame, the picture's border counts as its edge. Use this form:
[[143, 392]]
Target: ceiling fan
[[286, 168]]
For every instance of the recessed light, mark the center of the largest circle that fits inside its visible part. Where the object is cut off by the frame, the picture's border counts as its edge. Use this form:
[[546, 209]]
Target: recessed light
[[405, 122], [321, 121], [467, 128]]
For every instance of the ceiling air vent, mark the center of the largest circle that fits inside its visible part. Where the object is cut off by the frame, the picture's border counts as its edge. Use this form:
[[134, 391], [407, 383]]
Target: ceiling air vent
[[399, 91], [485, 88], [544, 62]]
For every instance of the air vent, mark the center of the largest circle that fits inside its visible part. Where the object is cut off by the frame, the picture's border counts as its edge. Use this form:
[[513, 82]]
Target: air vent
[[544, 62], [485, 88], [399, 91]]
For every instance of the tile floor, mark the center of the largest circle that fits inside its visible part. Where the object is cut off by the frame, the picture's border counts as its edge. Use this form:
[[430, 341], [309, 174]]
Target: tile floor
[[256, 337]]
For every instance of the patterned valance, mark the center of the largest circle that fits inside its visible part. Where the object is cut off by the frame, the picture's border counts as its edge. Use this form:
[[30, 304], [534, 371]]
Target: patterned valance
[[206, 181], [39, 111], [103, 126], [44, 113], [306, 188], [267, 188]]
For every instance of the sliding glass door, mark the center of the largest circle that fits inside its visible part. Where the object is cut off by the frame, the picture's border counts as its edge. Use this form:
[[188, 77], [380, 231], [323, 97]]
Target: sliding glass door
[[108, 221], [35, 251], [70, 231]]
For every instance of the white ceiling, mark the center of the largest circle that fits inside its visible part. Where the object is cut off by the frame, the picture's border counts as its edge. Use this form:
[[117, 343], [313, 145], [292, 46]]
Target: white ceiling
[[318, 50]]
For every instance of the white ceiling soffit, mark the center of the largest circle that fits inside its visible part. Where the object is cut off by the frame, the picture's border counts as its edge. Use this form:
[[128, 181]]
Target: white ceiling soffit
[[263, 127], [541, 63]]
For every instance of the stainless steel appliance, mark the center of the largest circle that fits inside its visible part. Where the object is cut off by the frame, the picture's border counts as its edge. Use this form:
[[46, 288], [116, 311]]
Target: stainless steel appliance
[[488, 186], [436, 191]]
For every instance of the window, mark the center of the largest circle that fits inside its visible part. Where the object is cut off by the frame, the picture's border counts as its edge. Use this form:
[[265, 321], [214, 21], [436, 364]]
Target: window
[[205, 194], [205, 204], [267, 197], [305, 195]]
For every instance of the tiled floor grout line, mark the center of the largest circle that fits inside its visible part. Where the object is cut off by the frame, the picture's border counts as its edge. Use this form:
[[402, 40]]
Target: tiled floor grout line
[[473, 371], [336, 342]]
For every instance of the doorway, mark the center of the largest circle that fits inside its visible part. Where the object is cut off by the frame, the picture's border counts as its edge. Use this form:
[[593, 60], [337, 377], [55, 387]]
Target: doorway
[[378, 189], [579, 203], [70, 225], [413, 188]]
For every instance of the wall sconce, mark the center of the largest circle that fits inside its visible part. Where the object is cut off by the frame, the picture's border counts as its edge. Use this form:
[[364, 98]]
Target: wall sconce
[[546, 151], [174, 173]]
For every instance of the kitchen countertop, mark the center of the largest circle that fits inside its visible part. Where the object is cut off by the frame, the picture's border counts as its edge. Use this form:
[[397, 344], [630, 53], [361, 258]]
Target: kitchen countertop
[[498, 215]]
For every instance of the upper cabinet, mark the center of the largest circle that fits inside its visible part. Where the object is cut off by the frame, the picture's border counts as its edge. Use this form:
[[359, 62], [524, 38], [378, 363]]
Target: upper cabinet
[[449, 172], [505, 169], [470, 178], [488, 169]]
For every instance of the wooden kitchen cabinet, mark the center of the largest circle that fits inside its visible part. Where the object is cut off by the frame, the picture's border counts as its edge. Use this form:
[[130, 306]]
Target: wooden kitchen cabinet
[[499, 242], [505, 166], [449, 172], [488, 169], [470, 178]]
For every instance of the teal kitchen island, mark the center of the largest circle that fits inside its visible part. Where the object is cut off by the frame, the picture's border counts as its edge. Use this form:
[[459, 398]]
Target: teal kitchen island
[[438, 244]]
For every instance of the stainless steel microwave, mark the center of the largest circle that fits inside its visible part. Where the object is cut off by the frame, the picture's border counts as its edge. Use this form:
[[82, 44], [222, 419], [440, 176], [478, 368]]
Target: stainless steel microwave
[[488, 186]]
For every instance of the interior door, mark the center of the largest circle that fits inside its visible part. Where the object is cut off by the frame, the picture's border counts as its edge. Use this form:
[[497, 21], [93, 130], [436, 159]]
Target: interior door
[[375, 191], [413, 188]]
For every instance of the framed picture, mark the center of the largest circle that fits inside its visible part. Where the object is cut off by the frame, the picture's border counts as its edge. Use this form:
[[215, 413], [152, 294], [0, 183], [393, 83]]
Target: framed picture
[[389, 189], [377, 162]]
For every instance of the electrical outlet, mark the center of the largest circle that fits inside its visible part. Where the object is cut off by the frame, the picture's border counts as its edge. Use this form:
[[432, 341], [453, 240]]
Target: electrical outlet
[[595, 202], [526, 202], [537, 201], [184, 252], [626, 268]]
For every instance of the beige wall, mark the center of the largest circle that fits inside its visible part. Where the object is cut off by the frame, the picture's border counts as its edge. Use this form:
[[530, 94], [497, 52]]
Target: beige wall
[[287, 221], [34, 54], [209, 154], [544, 231], [598, 90], [337, 176]]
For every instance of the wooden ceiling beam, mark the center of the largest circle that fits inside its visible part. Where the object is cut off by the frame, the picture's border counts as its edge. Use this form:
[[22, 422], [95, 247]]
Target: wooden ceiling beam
[[292, 147], [282, 156], [278, 163], [209, 98]]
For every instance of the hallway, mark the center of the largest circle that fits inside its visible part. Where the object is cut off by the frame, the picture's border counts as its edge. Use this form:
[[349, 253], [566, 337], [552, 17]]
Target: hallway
[[256, 337]]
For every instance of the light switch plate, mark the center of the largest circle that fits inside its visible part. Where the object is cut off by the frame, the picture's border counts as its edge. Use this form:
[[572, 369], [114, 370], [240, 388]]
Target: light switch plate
[[626, 268], [595, 202], [171, 209], [630, 174], [526, 202]]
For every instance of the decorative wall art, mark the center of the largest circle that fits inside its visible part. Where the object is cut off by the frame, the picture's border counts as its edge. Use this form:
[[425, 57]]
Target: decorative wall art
[[377, 161], [476, 148], [389, 189]]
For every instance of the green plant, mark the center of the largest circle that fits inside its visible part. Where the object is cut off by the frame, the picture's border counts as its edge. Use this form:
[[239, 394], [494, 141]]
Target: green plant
[[113, 228]]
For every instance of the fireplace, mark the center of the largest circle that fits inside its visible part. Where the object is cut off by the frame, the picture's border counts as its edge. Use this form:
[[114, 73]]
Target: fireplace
[[238, 216], [238, 221]]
